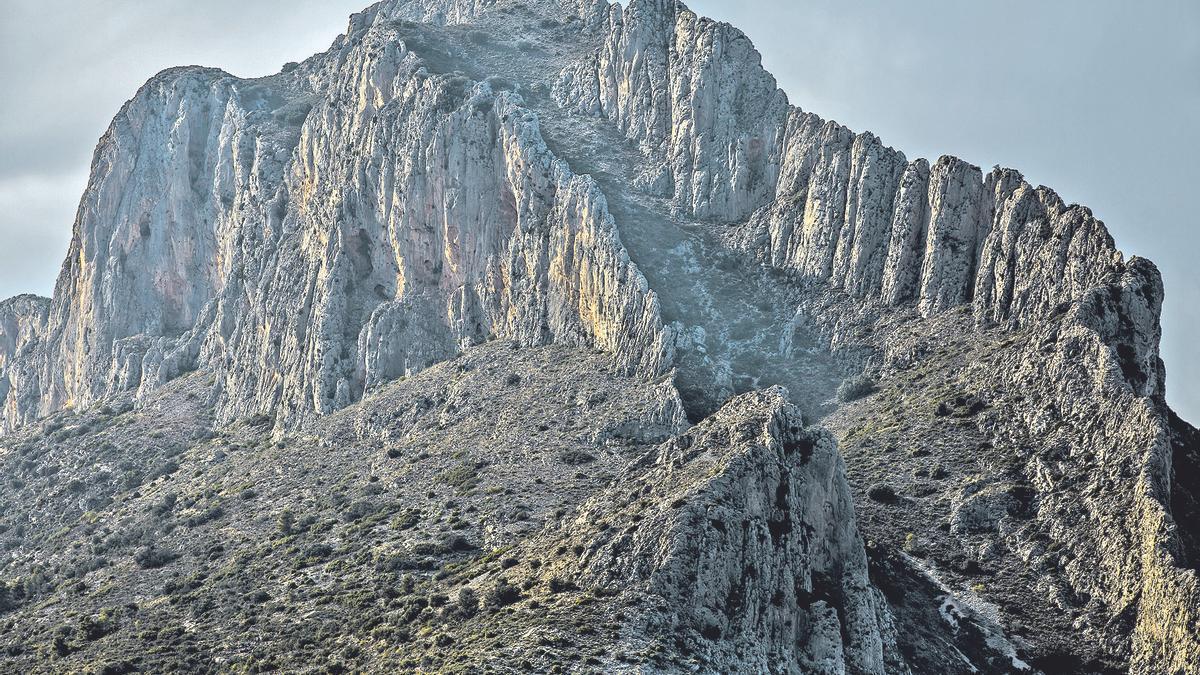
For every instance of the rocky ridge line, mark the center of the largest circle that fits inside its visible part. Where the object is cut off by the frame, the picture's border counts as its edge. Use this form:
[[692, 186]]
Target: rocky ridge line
[[818, 199], [305, 236]]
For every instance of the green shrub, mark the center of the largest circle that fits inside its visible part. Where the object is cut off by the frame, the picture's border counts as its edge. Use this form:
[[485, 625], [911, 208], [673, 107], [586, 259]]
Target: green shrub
[[854, 388], [503, 594], [286, 522], [468, 602], [151, 557], [575, 457]]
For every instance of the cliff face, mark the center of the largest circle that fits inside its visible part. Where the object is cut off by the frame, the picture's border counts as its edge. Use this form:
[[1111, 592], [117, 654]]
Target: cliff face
[[749, 549], [22, 322], [316, 233], [629, 179], [818, 199]]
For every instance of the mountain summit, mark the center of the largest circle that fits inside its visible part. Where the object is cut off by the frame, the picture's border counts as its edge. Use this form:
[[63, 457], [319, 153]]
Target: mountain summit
[[549, 336]]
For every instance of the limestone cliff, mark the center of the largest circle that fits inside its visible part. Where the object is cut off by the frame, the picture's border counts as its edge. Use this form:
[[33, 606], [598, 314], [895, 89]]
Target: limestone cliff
[[817, 199], [629, 179], [22, 321], [748, 549], [306, 236]]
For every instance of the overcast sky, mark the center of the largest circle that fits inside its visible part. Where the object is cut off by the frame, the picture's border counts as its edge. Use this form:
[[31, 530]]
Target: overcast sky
[[1099, 99]]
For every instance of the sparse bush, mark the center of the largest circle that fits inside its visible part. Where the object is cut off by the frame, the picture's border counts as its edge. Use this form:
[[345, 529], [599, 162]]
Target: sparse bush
[[468, 602], [8, 598], [457, 543], [286, 522], [882, 493], [854, 388], [406, 520], [207, 516], [464, 477], [165, 504], [408, 583], [359, 510], [426, 548], [151, 557], [575, 457], [503, 594]]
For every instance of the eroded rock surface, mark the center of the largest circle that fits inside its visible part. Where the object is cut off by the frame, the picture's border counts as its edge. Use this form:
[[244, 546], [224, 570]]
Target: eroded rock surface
[[458, 186]]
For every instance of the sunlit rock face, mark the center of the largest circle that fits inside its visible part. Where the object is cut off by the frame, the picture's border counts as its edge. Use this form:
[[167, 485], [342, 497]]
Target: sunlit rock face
[[22, 322], [306, 238], [348, 222], [817, 198], [748, 549]]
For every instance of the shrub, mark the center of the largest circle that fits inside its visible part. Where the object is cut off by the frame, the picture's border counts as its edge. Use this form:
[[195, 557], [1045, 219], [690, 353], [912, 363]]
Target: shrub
[[468, 602], [285, 522], [151, 557], [207, 516], [359, 510], [575, 457], [854, 388], [8, 598], [165, 504], [464, 477], [458, 544], [406, 520], [425, 548], [503, 594], [882, 493]]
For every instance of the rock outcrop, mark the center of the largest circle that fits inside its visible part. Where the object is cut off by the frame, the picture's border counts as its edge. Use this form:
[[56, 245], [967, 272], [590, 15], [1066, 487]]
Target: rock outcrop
[[352, 220], [817, 199], [447, 175], [748, 553], [22, 322]]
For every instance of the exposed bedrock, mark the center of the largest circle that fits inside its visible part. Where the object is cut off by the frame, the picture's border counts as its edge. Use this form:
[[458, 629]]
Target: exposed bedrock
[[308, 237], [273, 230], [742, 548], [818, 199]]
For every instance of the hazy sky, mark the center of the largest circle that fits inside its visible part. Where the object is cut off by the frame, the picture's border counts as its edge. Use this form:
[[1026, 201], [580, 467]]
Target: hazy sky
[[1099, 99]]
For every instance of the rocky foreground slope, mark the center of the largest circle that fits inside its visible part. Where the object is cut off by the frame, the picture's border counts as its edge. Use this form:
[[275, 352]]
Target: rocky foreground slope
[[500, 337]]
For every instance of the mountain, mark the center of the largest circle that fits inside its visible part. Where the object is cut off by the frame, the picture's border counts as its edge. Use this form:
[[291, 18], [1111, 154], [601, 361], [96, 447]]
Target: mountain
[[548, 336]]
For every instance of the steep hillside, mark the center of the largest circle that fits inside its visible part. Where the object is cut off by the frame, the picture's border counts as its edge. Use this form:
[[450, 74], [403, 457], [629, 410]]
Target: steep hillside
[[524, 336]]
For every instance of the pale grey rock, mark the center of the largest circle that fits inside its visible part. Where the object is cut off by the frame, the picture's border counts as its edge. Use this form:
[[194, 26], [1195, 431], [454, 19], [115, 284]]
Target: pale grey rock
[[677, 84], [307, 237], [875, 175], [910, 229], [22, 321], [813, 197], [955, 203], [268, 230], [1039, 255], [749, 553]]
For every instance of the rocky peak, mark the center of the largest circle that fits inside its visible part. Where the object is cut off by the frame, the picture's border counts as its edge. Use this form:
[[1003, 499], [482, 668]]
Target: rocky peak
[[628, 179]]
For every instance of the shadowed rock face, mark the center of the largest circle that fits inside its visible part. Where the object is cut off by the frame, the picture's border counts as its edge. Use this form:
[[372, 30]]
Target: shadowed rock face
[[629, 179]]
